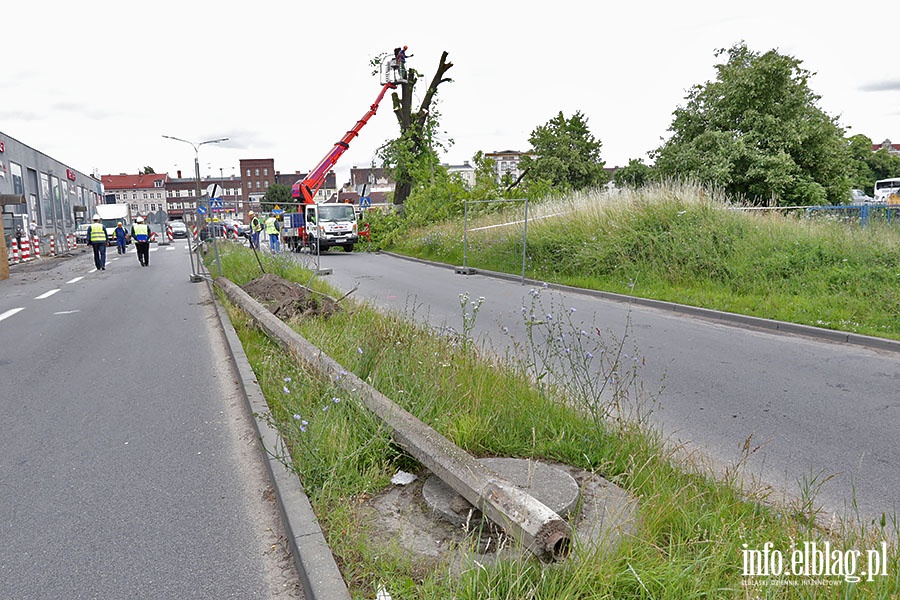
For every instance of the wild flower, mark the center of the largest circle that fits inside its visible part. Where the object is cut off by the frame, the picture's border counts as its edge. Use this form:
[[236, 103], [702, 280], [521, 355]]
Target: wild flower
[[286, 390]]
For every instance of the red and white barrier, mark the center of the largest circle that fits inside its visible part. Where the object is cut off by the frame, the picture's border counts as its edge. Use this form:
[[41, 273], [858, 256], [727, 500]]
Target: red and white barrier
[[25, 250], [37, 246], [152, 236], [169, 233], [15, 251], [194, 230], [52, 246]]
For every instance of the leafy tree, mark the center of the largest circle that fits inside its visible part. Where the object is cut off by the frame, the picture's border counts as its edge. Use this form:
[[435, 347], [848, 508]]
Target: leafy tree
[[279, 194], [414, 151], [635, 174], [565, 155], [147, 171], [756, 132]]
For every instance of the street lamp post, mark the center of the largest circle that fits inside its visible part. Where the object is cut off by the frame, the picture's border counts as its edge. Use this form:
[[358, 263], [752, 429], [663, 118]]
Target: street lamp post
[[196, 146]]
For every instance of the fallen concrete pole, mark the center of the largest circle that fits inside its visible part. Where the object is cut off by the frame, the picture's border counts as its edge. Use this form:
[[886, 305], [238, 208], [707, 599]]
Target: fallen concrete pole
[[523, 517]]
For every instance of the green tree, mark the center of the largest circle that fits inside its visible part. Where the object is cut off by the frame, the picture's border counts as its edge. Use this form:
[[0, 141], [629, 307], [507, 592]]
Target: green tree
[[278, 194], [147, 171], [635, 174], [564, 155], [756, 132]]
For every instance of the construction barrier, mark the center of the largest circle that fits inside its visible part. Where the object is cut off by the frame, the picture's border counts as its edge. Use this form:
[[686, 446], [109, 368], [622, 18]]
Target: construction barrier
[[37, 246], [25, 250], [15, 251], [52, 246], [169, 233], [194, 230], [152, 236]]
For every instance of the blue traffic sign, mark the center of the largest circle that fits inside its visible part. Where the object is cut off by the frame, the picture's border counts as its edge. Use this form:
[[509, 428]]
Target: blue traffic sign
[[201, 210]]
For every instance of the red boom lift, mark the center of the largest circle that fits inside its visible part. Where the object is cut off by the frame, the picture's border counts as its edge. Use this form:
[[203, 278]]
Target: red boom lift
[[307, 187]]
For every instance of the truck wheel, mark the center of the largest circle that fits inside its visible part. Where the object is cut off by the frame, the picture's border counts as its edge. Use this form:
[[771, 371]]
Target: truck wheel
[[348, 248]]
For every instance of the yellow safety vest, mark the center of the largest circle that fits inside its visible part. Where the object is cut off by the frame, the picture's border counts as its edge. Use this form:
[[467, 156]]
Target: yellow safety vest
[[97, 232], [141, 232], [270, 226]]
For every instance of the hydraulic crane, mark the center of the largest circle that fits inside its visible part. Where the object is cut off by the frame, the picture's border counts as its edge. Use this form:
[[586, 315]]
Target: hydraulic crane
[[307, 187]]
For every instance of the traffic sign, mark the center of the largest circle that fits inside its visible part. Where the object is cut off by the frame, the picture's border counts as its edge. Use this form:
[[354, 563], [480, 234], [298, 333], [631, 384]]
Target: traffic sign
[[214, 190], [201, 210]]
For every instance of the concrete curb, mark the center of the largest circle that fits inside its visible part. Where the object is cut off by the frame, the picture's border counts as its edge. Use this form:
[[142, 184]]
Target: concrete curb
[[723, 317], [320, 576]]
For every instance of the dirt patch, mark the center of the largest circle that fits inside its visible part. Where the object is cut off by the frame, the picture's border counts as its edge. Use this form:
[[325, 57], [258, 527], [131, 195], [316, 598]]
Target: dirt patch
[[286, 299]]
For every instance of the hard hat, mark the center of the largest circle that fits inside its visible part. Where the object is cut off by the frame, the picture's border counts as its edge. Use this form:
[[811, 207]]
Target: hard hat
[[251, 213], [96, 217], [119, 223], [138, 220]]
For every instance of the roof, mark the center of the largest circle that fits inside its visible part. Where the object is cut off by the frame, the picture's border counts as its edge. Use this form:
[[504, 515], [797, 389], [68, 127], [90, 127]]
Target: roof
[[129, 182]]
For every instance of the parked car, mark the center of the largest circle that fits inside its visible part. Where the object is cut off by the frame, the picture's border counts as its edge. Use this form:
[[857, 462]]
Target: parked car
[[81, 233], [179, 230], [243, 228], [860, 197], [217, 228]]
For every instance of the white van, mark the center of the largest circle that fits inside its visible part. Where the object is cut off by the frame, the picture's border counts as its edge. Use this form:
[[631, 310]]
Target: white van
[[884, 188]]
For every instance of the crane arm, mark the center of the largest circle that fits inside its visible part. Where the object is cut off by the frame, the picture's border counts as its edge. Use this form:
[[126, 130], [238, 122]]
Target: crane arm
[[309, 185]]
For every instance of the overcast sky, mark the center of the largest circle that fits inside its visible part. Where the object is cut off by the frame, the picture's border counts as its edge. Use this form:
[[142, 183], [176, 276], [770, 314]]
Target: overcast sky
[[96, 84]]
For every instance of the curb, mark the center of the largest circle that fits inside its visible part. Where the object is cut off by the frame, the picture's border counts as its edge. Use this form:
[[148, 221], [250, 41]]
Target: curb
[[319, 573], [726, 318]]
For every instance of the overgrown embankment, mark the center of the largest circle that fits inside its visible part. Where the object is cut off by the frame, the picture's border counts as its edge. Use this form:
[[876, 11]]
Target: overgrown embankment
[[684, 245]]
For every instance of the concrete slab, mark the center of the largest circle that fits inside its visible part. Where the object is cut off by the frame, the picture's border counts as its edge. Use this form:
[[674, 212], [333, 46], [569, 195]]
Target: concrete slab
[[548, 484]]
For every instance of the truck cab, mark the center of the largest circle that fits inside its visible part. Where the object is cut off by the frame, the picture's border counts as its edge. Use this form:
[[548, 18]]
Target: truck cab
[[328, 225]]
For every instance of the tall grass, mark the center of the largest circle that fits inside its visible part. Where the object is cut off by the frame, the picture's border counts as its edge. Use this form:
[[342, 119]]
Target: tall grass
[[684, 244], [691, 530]]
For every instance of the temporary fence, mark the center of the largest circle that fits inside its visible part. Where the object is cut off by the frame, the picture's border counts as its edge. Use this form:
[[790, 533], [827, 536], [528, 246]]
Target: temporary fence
[[468, 243]]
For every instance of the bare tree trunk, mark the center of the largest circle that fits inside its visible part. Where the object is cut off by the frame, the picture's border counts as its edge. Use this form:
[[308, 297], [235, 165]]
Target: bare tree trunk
[[413, 124]]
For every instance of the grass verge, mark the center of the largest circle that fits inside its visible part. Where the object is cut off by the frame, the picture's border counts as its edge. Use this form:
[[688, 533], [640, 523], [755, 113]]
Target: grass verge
[[694, 531]]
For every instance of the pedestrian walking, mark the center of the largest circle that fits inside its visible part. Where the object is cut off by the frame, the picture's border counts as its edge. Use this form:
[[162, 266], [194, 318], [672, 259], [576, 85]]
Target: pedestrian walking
[[140, 233], [121, 238], [96, 235], [272, 232], [19, 237], [255, 229]]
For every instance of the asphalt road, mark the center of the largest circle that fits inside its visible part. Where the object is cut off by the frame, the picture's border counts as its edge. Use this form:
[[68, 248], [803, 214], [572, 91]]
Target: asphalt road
[[128, 462], [825, 415]]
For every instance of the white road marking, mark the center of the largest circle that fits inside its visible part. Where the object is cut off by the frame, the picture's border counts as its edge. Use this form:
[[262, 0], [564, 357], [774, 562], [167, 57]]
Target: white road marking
[[66, 312], [10, 312], [46, 294], [75, 280]]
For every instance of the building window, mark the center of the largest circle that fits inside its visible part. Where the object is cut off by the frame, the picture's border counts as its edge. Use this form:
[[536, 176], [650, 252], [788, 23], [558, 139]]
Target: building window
[[157, 183], [257, 172], [266, 171], [18, 186], [267, 184]]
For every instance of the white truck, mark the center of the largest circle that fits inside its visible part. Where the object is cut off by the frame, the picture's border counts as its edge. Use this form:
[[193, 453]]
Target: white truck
[[111, 215], [321, 226]]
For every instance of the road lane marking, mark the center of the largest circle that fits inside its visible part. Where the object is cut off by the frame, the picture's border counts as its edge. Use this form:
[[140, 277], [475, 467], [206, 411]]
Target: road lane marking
[[10, 312], [46, 294], [67, 312], [74, 280]]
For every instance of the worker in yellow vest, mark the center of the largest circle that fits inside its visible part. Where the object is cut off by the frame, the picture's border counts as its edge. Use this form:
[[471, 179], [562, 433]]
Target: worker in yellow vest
[[272, 232], [140, 233], [96, 235]]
